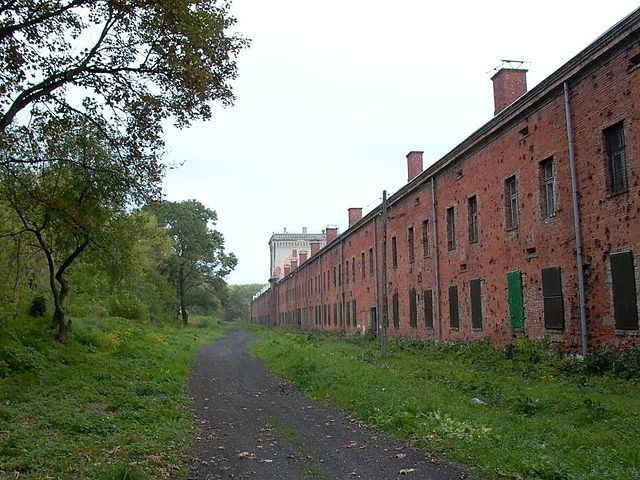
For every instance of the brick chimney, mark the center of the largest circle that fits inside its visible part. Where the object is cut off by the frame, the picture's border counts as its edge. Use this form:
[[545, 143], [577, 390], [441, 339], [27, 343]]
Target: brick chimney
[[315, 248], [302, 256], [287, 270], [414, 164], [509, 84], [332, 233], [355, 215], [294, 264]]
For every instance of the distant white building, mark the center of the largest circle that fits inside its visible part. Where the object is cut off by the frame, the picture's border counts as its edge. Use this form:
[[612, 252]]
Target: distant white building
[[288, 250]]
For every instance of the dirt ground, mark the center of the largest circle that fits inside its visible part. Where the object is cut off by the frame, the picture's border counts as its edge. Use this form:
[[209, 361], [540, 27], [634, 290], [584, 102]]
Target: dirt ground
[[256, 426]]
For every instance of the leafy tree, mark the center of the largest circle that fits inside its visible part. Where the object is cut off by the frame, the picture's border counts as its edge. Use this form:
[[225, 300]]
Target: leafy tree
[[239, 301], [124, 66], [199, 257], [66, 206]]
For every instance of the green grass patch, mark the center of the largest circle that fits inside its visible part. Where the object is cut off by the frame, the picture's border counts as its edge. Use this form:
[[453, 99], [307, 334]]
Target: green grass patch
[[517, 412], [111, 403]]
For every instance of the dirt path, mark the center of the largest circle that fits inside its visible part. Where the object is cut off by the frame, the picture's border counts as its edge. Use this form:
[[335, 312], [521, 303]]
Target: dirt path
[[259, 427]]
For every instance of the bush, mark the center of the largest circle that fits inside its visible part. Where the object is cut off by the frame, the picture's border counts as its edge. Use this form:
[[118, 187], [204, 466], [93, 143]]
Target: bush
[[38, 306]]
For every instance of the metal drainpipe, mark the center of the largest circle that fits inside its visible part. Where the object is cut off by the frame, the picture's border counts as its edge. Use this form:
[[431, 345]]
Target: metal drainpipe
[[375, 271], [343, 327], [576, 221], [436, 256]]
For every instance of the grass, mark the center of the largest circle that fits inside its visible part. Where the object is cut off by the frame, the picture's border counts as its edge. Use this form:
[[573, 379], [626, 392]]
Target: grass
[[109, 404], [504, 413]]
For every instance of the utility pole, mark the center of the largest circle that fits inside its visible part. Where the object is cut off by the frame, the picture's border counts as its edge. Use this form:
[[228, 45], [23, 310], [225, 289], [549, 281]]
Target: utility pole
[[385, 309]]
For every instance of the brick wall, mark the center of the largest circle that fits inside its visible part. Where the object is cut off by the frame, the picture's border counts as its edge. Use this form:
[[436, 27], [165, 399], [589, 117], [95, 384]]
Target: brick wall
[[525, 142]]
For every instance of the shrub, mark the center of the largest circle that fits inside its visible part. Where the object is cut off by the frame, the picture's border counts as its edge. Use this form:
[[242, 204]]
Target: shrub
[[38, 306]]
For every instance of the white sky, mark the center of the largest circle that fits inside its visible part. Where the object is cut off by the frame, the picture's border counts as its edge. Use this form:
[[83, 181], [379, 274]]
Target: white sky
[[332, 95]]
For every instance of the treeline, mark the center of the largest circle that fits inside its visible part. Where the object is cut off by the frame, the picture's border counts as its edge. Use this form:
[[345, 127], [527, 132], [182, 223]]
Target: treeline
[[85, 88]]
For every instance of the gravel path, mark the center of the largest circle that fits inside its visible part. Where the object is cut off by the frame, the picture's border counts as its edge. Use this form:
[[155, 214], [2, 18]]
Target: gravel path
[[255, 426]]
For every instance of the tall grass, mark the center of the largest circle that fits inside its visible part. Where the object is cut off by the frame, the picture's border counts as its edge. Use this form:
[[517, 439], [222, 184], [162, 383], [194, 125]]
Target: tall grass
[[516, 413], [111, 403]]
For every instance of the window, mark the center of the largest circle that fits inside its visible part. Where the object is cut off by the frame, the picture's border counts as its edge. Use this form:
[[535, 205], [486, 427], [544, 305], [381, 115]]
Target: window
[[476, 303], [346, 272], [363, 265], [427, 296], [411, 245], [371, 261], [454, 318], [552, 298], [394, 252], [413, 309], [334, 277], [335, 314], [340, 274], [353, 312], [617, 158], [451, 228], [472, 206], [511, 199], [348, 314], [623, 286], [548, 178], [396, 311], [353, 269], [426, 250]]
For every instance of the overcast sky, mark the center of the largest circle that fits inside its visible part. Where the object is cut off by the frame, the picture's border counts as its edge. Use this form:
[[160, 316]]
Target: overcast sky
[[332, 95]]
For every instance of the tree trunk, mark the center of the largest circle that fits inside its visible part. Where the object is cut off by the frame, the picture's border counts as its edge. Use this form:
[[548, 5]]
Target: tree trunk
[[184, 313]]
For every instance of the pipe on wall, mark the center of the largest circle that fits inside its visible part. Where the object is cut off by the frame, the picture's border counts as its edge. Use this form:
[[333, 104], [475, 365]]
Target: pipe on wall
[[436, 257], [576, 222]]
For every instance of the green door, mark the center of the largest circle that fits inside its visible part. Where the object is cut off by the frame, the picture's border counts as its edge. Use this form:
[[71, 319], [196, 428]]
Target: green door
[[514, 289]]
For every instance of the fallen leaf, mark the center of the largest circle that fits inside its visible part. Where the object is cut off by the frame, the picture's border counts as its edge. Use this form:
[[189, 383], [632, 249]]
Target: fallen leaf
[[404, 471]]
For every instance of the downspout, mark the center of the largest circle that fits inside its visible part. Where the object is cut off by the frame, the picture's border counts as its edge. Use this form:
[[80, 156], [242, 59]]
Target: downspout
[[576, 222], [436, 257], [375, 270], [343, 323]]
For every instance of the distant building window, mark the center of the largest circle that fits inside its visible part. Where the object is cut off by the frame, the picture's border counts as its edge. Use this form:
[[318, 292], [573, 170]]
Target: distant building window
[[346, 272], [371, 261], [411, 245], [472, 207], [451, 228], [394, 252], [427, 296], [363, 265], [334, 277], [454, 318], [617, 157], [339, 274], [413, 309], [475, 291], [426, 249], [552, 298], [396, 311], [353, 313], [548, 177], [353, 269], [511, 199]]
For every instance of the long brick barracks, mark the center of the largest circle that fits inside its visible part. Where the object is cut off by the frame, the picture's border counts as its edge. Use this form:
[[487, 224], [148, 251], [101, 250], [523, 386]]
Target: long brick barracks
[[529, 227]]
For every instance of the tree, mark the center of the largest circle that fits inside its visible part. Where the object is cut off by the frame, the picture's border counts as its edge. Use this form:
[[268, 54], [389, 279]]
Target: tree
[[239, 301], [68, 205], [123, 66], [199, 256]]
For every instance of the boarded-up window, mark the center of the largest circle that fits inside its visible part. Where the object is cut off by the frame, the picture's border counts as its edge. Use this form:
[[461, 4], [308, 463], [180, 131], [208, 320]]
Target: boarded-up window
[[394, 252], [454, 318], [413, 309], [516, 304], [476, 303], [348, 314], [428, 308], [335, 314], [552, 295], [363, 265], [371, 261], [396, 311], [623, 284], [353, 312], [411, 245], [353, 269]]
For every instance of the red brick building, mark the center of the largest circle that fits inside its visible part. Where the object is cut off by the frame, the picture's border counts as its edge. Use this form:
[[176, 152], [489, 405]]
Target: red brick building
[[528, 227]]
